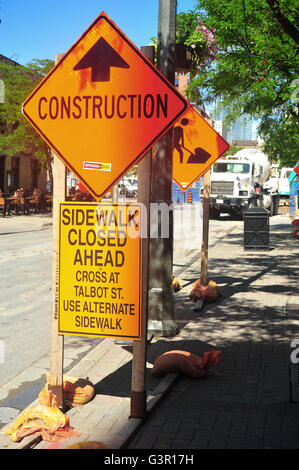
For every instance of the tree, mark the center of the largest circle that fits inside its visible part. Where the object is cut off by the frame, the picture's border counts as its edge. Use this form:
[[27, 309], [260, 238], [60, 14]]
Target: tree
[[232, 150], [256, 63], [16, 133], [200, 48], [197, 38]]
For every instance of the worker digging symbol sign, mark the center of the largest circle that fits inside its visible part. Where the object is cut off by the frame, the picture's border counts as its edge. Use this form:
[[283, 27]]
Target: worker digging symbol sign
[[198, 155], [99, 270], [103, 106], [197, 145]]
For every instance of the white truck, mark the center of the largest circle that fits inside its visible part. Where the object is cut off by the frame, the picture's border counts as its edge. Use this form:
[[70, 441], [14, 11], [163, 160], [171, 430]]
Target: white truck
[[242, 181]]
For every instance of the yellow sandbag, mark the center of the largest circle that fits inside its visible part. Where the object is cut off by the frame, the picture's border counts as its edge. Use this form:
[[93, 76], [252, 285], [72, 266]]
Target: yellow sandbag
[[51, 423], [87, 445], [176, 285]]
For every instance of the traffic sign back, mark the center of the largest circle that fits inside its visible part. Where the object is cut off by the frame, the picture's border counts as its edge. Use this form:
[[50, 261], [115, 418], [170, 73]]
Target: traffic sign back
[[103, 106], [197, 145]]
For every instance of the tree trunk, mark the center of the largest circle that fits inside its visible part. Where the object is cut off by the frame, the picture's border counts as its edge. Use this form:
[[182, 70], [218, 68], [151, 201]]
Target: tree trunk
[[288, 27]]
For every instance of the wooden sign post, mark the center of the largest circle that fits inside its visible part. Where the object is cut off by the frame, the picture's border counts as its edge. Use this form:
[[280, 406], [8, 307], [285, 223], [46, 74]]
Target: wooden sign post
[[57, 341], [205, 229], [138, 391]]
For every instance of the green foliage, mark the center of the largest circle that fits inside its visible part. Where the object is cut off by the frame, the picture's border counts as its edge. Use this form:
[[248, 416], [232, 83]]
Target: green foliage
[[257, 60], [232, 150], [16, 133], [281, 138], [198, 47], [188, 33]]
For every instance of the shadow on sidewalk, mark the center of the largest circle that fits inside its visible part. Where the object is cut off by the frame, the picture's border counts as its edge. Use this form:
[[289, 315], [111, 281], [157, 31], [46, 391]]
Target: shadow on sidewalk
[[251, 330], [251, 374], [261, 265], [119, 382]]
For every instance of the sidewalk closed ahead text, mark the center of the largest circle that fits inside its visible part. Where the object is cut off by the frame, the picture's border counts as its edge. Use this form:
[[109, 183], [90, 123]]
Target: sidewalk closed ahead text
[[99, 270]]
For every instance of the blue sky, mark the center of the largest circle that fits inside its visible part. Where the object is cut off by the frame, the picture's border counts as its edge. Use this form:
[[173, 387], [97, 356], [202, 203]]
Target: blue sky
[[39, 29]]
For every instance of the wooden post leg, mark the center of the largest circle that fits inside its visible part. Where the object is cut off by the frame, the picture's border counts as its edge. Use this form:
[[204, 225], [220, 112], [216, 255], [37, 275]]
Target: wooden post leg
[[205, 229], [138, 392], [55, 383]]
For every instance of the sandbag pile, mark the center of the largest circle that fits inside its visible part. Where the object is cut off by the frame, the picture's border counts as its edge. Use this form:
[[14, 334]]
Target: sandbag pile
[[50, 423], [46, 419], [186, 363], [207, 293]]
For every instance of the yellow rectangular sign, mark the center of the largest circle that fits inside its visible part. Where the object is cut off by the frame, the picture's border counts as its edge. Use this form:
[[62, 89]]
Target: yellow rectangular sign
[[99, 282]]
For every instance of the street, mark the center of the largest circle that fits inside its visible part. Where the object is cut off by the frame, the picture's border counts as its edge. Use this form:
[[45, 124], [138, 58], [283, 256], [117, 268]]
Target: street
[[25, 291]]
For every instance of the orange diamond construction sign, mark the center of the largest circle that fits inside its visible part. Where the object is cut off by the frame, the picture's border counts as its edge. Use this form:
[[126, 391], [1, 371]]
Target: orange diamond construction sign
[[102, 106], [196, 147]]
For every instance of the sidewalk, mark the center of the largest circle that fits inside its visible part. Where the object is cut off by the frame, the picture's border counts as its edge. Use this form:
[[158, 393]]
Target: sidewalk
[[252, 404]]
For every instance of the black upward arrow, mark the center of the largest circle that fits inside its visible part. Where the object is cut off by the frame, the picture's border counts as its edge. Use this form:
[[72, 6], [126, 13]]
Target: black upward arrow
[[100, 58]]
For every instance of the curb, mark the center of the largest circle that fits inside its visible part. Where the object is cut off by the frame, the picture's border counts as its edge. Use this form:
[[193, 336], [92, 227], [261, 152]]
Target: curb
[[133, 425], [123, 436]]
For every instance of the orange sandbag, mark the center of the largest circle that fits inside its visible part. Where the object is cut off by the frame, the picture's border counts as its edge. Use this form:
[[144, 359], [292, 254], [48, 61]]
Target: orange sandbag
[[50, 423], [76, 392], [207, 293], [186, 363]]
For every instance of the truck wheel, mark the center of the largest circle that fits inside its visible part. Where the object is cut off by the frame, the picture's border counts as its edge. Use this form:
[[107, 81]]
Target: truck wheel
[[214, 213], [271, 208], [251, 204], [276, 205]]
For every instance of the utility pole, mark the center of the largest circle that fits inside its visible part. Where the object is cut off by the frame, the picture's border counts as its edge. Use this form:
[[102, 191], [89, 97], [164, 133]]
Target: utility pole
[[161, 321]]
